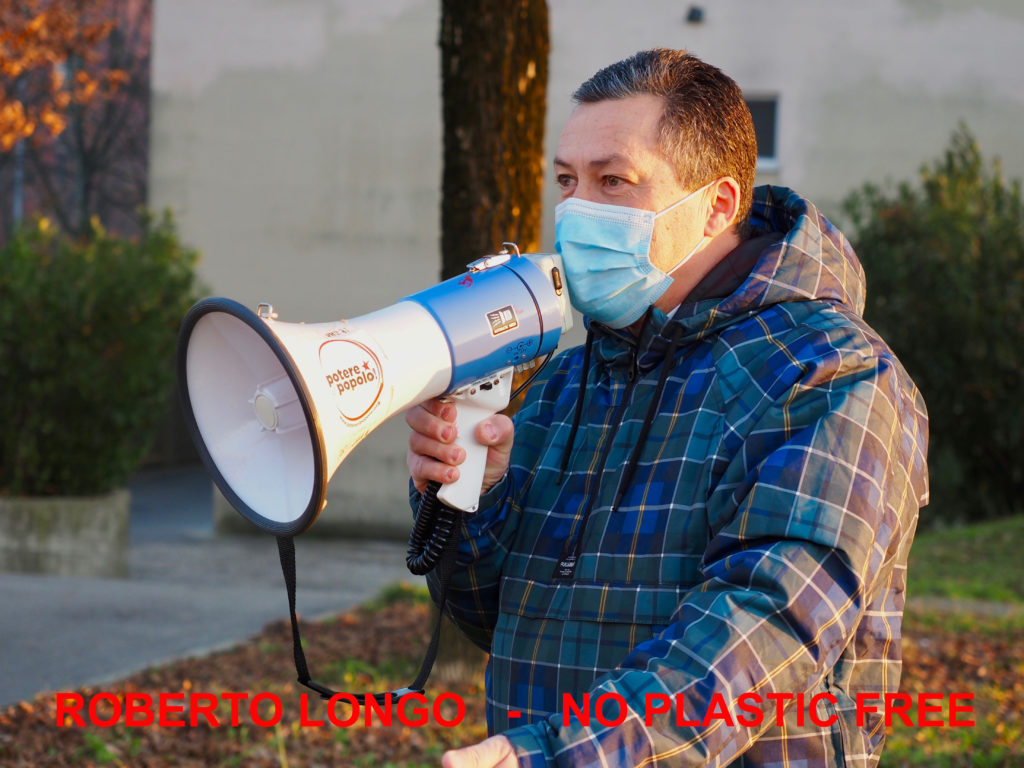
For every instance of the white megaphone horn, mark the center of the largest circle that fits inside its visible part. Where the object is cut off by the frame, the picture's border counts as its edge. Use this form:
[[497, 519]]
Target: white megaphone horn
[[275, 407]]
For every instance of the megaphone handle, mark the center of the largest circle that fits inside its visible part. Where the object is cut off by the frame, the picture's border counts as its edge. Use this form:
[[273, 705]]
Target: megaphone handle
[[473, 404]]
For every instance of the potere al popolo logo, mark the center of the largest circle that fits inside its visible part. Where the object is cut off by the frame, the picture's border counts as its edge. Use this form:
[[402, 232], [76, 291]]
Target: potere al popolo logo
[[353, 372]]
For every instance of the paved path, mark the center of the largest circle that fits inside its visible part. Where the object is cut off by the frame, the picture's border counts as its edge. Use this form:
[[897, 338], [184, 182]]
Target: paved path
[[189, 591]]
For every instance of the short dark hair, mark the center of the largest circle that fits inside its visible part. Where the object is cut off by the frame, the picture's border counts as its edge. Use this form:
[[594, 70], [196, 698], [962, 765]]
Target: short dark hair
[[706, 129]]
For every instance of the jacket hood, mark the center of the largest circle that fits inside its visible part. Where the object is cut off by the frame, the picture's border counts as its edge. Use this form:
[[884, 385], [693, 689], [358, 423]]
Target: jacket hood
[[807, 259]]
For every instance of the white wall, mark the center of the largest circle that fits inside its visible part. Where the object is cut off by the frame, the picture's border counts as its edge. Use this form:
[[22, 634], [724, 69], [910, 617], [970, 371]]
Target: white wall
[[299, 145], [299, 142]]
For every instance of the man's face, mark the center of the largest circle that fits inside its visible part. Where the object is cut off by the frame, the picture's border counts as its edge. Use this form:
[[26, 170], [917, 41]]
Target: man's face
[[609, 153]]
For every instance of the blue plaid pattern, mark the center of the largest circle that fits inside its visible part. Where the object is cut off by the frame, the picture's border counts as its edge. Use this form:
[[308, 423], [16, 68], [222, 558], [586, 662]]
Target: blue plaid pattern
[[761, 546]]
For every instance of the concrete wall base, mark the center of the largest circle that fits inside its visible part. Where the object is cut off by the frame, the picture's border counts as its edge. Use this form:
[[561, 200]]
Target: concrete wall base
[[66, 535], [363, 518]]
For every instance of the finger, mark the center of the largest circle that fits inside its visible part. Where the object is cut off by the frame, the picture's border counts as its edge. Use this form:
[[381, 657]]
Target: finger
[[496, 431], [423, 469], [443, 409], [433, 419], [495, 752], [447, 453]]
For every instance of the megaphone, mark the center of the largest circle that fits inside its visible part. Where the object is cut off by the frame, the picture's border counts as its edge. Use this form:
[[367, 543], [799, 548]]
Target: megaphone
[[275, 407]]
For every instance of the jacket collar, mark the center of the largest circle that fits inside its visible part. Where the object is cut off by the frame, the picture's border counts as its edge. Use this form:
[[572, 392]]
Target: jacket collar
[[794, 254]]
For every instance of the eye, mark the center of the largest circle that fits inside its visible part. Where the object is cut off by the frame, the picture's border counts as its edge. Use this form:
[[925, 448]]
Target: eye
[[564, 181], [614, 181]]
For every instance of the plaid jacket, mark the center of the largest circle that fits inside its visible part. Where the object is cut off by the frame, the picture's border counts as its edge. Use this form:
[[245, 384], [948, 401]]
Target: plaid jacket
[[759, 546]]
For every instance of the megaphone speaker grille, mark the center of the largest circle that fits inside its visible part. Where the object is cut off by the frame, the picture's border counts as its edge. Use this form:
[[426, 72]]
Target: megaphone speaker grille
[[251, 417]]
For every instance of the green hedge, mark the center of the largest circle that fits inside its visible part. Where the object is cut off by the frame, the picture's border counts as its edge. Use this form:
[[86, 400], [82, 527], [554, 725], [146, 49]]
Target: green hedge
[[87, 336], [945, 266]]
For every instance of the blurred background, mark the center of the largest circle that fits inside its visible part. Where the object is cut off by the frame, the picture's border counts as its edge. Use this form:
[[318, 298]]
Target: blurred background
[[333, 156], [314, 153]]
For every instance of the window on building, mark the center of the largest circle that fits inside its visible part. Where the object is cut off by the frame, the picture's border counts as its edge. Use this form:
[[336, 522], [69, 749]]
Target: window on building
[[764, 110]]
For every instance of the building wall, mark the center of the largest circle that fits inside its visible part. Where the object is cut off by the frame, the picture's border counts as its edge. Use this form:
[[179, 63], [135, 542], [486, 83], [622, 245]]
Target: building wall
[[299, 143], [867, 91]]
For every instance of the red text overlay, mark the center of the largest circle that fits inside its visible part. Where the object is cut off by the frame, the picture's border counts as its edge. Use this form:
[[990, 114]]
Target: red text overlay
[[137, 709], [752, 710]]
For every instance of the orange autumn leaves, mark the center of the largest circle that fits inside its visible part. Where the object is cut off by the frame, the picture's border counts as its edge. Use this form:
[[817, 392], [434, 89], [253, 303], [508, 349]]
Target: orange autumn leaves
[[49, 54]]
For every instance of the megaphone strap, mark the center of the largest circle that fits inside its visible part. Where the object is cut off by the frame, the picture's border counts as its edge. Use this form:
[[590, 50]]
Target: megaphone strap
[[445, 566]]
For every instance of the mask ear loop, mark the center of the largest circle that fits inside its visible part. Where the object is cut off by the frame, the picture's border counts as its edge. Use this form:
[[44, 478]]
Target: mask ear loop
[[700, 242], [679, 202], [688, 256]]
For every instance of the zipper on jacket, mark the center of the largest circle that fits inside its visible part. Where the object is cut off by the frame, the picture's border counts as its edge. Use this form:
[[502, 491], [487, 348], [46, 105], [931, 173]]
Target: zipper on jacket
[[565, 568]]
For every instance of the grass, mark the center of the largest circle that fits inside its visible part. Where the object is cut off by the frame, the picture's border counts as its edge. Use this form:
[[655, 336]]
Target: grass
[[983, 656], [983, 561], [963, 651]]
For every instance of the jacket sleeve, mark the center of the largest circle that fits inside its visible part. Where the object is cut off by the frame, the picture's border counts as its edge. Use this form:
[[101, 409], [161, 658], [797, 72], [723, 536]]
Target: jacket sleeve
[[816, 507]]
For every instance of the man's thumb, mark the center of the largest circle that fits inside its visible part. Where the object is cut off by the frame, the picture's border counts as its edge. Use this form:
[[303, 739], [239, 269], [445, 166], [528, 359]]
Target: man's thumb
[[495, 752]]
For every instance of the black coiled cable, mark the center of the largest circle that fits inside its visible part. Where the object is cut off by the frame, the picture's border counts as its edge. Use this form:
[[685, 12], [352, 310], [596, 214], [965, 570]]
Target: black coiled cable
[[435, 524]]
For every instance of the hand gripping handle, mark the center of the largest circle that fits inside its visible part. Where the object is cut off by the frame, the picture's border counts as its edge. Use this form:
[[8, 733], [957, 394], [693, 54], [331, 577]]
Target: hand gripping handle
[[474, 403]]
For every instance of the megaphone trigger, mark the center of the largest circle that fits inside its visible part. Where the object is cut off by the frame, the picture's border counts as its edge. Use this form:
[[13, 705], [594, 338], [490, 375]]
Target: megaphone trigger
[[473, 404]]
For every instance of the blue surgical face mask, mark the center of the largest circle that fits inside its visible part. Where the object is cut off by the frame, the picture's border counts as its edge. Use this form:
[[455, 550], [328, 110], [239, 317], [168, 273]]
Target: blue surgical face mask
[[605, 251]]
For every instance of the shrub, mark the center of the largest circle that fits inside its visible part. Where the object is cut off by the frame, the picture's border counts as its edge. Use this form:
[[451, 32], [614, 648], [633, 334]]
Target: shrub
[[945, 267], [88, 330]]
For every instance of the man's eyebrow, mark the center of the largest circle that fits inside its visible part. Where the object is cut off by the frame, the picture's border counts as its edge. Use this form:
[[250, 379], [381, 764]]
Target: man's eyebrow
[[598, 162]]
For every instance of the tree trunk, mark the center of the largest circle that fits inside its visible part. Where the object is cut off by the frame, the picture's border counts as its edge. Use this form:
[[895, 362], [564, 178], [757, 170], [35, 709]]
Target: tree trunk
[[494, 73]]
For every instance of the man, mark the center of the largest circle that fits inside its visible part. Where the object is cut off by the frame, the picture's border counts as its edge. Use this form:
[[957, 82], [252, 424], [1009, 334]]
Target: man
[[705, 513]]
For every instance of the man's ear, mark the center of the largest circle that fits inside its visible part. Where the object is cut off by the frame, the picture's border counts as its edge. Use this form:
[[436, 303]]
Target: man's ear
[[725, 205]]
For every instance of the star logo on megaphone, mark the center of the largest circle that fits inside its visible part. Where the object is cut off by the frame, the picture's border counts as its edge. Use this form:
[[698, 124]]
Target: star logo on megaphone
[[352, 371]]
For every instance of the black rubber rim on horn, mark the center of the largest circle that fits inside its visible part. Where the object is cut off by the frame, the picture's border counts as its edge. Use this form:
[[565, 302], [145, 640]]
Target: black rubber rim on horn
[[230, 307]]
